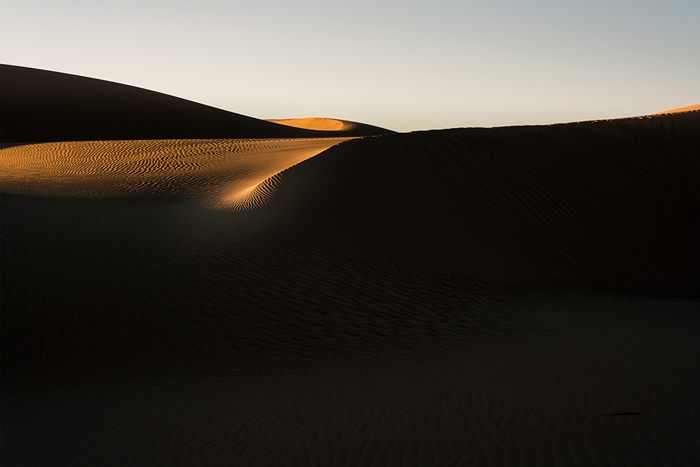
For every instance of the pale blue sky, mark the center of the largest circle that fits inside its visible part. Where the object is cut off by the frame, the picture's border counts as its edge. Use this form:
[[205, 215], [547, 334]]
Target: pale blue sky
[[404, 65]]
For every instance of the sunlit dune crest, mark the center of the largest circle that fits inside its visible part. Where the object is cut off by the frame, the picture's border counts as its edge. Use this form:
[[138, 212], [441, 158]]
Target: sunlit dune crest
[[248, 196], [225, 173], [688, 108], [316, 123]]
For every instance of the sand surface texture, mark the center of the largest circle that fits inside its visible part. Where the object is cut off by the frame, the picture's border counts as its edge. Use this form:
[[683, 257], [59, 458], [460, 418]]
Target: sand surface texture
[[482, 297]]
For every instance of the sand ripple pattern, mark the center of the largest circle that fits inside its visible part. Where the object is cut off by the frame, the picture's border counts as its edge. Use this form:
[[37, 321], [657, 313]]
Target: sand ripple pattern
[[231, 174]]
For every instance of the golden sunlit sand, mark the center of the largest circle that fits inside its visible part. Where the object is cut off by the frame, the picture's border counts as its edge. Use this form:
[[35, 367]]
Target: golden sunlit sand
[[472, 296], [689, 108], [314, 123], [222, 173]]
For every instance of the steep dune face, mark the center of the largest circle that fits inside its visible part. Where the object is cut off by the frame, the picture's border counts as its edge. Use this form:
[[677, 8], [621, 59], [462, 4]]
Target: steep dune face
[[611, 204], [43, 106]]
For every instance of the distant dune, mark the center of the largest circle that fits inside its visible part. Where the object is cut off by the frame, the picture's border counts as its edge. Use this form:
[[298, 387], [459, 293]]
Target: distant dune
[[331, 124], [43, 106], [688, 108], [473, 296], [316, 123]]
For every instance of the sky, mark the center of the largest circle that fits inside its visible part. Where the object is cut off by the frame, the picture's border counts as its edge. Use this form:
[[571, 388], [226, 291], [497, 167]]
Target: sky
[[403, 65]]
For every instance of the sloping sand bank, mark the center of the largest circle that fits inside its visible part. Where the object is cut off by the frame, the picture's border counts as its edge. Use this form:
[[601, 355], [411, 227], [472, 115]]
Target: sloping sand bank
[[222, 173], [481, 297], [609, 204]]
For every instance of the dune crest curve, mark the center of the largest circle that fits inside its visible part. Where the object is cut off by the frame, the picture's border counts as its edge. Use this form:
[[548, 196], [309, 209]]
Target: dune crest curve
[[331, 126], [317, 123], [688, 108]]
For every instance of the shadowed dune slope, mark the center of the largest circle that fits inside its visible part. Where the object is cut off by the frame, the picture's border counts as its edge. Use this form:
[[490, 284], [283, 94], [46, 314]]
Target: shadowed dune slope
[[44, 106], [610, 204]]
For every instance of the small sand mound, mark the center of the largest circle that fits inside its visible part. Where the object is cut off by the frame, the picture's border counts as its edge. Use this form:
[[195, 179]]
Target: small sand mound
[[332, 125], [316, 123]]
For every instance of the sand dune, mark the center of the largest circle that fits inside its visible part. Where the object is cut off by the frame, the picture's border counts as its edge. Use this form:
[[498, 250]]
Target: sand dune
[[487, 297], [316, 123], [331, 124], [609, 204], [42, 106], [689, 108]]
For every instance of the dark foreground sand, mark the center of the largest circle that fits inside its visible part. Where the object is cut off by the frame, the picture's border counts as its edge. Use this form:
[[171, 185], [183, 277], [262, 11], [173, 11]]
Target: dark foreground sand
[[508, 296]]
